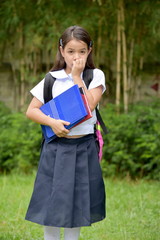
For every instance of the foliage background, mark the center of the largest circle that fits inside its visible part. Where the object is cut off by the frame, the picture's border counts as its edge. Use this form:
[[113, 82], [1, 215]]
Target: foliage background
[[131, 148], [29, 31]]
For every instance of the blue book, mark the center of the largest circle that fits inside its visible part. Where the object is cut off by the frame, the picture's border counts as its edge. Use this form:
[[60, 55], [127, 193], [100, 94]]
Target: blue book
[[68, 106]]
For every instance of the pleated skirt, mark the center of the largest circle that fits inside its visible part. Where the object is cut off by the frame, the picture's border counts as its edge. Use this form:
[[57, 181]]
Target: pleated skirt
[[69, 189]]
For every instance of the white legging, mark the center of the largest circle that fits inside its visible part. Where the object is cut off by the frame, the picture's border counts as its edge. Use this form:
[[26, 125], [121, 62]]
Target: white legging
[[53, 233]]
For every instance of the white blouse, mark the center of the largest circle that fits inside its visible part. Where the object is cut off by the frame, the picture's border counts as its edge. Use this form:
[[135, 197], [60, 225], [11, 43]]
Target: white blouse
[[64, 82]]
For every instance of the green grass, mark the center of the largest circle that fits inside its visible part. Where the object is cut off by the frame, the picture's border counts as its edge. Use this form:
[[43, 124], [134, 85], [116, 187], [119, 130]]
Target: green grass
[[133, 211]]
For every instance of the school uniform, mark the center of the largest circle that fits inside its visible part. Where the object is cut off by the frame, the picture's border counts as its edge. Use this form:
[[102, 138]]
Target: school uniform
[[69, 189]]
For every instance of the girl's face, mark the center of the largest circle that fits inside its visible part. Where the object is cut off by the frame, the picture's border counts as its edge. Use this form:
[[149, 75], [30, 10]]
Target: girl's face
[[74, 50]]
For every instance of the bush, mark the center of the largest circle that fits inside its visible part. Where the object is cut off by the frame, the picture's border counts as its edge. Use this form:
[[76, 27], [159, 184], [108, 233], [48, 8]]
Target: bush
[[133, 145], [20, 142], [4, 110]]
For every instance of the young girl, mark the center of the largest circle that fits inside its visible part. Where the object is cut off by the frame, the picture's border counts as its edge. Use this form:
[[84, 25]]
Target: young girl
[[69, 189]]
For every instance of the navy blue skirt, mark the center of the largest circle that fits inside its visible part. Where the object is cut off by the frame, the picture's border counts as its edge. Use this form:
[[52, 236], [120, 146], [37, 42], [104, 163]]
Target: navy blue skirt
[[69, 189]]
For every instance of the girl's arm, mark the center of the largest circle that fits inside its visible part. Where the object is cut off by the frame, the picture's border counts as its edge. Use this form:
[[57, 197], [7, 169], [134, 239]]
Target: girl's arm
[[93, 95], [35, 114]]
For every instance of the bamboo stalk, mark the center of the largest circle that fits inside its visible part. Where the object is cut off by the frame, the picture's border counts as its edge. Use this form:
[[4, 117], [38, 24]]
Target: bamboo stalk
[[118, 73], [22, 70], [124, 62], [139, 81], [158, 92], [99, 42], [130, 60], [15, 80], [130, 64]]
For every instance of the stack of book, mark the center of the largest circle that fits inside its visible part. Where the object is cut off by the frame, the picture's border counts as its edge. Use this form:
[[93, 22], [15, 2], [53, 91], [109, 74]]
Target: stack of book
[[70, 106]]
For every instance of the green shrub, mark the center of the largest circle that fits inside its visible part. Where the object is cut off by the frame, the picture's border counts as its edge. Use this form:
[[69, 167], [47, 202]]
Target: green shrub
[[133, 145], [4, 110], [20, 143]]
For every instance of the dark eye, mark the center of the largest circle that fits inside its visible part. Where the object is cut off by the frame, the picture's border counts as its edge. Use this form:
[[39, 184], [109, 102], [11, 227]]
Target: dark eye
[[70, 51], [83, 52]]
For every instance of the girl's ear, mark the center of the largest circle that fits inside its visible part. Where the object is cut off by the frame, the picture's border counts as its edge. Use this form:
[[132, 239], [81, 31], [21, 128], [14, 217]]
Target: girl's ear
[[61, 51], [90, 50]]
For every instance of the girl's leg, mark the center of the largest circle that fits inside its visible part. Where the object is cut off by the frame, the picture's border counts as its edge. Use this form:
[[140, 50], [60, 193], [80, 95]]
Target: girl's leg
[[51, 233], [71, 233]]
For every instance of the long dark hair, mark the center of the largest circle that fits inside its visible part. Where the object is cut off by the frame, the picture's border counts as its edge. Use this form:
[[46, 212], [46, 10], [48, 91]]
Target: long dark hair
[[73, 32]]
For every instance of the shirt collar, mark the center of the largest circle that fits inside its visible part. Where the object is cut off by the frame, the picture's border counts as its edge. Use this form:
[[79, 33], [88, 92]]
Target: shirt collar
[[60, 74]]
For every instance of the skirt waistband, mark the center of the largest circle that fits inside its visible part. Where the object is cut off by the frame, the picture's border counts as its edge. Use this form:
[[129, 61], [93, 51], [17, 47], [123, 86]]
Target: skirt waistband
[[74, 140]]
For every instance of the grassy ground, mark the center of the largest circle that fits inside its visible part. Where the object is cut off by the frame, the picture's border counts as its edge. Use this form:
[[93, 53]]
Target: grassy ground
[[133, 211]]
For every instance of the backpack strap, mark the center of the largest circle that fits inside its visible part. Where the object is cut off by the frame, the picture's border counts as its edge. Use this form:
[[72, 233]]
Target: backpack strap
[[100, 120], [48, 84], [87, 77]]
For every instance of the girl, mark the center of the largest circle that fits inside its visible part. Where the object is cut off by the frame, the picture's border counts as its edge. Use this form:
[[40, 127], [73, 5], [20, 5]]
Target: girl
[[69, 189]]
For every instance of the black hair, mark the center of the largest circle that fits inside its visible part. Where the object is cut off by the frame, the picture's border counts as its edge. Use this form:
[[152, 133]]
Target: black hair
[[73, 32]]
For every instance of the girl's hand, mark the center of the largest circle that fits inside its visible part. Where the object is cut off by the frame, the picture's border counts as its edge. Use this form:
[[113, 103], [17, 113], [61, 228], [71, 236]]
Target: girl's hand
[[35, 114], [59, 128], [78, 67]]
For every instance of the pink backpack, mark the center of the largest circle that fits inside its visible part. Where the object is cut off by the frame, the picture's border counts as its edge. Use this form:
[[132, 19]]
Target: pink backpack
[[99, 140], [98, 134]]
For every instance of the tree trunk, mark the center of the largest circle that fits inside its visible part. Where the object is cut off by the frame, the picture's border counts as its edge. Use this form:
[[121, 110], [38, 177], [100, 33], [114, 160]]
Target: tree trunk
[[130, 65], [130, 61], [124, 61], [47, 55], [118, 73], [22, 69], [139, 80], [34, 63], [3, 51], [22, 83], [15, 80], [99, 43], [158, 92]]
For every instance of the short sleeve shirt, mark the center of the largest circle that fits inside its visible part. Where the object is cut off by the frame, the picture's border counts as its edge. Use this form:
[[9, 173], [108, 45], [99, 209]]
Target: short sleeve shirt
[[65, 81]]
